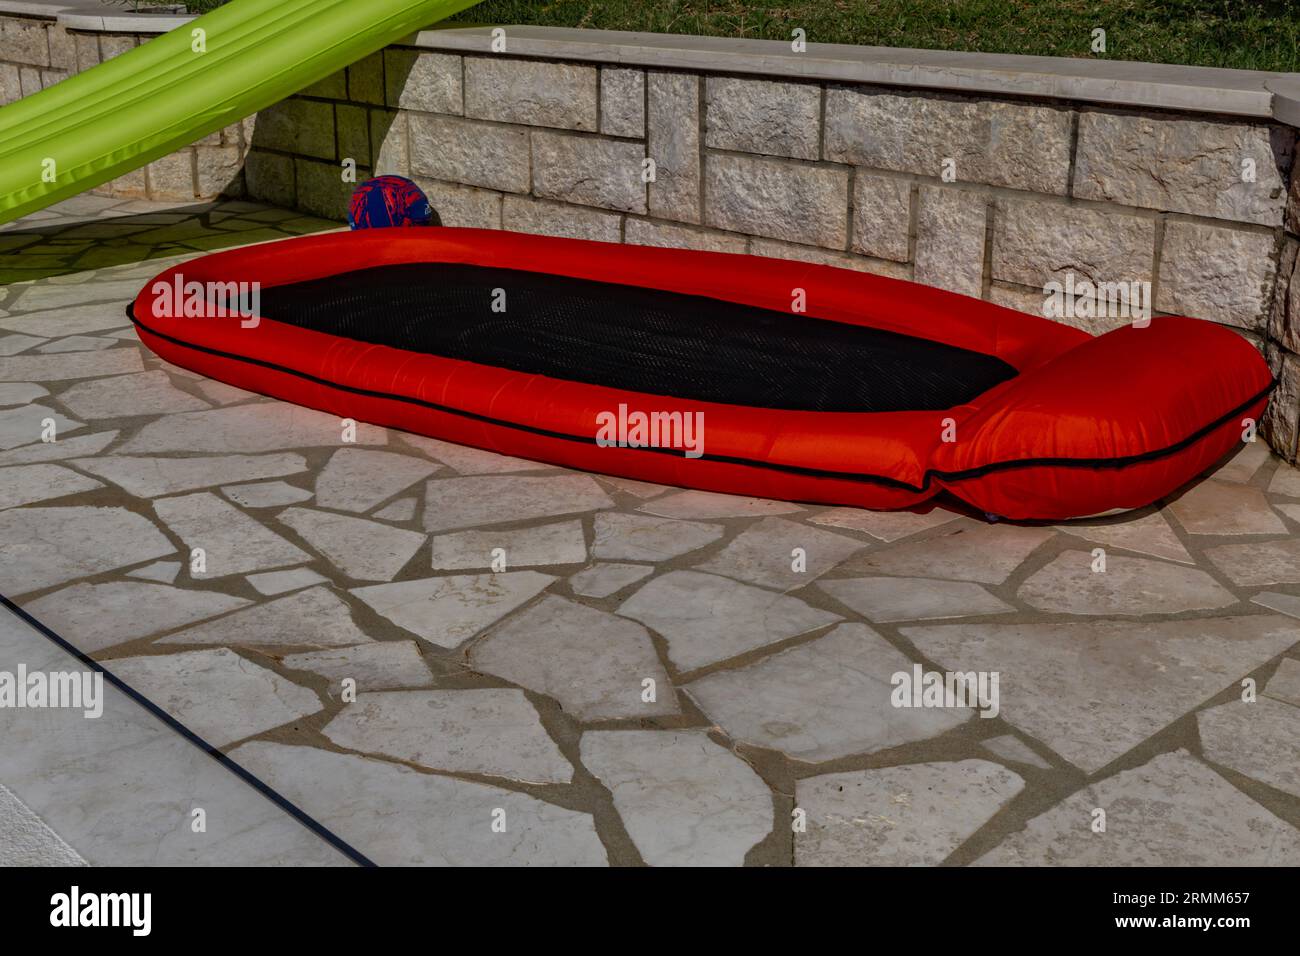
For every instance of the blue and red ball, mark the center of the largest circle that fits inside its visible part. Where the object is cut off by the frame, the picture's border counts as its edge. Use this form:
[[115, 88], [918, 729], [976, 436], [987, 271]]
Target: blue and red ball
[[389, 201]]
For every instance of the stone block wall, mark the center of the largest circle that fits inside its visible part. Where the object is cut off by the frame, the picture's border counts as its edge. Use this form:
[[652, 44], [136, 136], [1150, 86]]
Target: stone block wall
[[992, 197], [987, 194], [39, 51]]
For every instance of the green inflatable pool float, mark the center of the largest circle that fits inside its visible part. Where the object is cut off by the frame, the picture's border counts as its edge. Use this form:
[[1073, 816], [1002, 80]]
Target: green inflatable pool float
[[183, 85]]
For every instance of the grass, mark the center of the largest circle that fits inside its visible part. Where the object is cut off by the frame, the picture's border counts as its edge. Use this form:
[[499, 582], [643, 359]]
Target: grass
[[191, 6], [1246, 34]]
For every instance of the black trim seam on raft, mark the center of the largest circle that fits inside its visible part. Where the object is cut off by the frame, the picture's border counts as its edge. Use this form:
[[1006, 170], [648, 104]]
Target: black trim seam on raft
[[284, 803], [944, 476]]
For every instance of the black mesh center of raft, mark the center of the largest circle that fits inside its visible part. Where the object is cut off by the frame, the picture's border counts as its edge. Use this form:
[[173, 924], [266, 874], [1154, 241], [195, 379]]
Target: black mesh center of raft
[[642, 340]]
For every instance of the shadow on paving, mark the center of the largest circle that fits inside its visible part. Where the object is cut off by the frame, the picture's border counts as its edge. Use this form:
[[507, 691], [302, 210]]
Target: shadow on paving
[[48, 248]]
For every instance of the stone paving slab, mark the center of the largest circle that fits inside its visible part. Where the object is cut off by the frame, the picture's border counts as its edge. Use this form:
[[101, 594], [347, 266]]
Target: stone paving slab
[[636, 537], [910, 815], [490, 731], [821, 700], [1147, 534], [120, 789], [25, 484], [231, 541], [1070, 585], [686, 800], [41, 547], [594, 664], [1260, 739], [985, 554], [314, 618], [361, 549], [781, 554], [602, 580], [117, 612], [386, 808], [1093, 690], [1284, 685], [706, 618], [452, 503], [145, 477], [450, 656], [884, 525], [1172, 811], [885, 600], [216, 693], [382, 665], [544, 545], [448, 611]]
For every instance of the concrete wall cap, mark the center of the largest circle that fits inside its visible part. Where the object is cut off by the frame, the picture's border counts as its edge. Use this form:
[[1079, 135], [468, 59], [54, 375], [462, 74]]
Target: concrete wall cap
[[1248, 93], [97, 17], [1245, 93]]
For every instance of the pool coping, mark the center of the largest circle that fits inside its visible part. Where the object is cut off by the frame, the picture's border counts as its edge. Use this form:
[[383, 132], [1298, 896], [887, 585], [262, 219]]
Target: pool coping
[[1245, 93]]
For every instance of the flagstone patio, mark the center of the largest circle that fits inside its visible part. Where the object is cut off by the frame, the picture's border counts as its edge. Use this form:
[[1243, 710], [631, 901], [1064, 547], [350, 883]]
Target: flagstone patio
[[648, 680]]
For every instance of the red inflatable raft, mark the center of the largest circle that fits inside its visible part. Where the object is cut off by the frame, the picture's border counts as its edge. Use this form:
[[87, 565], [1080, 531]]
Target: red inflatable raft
[[724, 372]]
